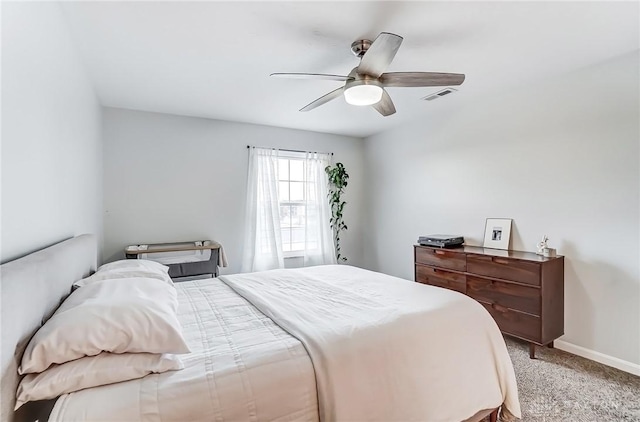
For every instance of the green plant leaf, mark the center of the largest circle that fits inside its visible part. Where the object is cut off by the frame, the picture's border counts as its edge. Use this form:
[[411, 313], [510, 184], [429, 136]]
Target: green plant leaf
[[337, 177]]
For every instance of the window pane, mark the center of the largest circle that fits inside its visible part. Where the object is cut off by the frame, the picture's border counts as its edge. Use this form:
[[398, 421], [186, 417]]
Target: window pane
[[297, 235], [286, 240], [283, 169], [283, 190], [297, 246], [297, 170], [298, 215], [297, 191], [285, 216]]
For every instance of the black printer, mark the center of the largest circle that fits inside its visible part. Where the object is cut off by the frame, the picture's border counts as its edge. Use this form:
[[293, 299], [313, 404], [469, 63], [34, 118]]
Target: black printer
[[441, 241]]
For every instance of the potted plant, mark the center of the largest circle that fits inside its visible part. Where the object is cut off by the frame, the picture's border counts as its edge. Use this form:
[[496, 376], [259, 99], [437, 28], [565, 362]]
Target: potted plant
[[338, 177]]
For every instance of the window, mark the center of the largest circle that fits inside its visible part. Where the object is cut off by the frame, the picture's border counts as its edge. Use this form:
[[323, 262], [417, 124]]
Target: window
[[296, 193], [287, 210]]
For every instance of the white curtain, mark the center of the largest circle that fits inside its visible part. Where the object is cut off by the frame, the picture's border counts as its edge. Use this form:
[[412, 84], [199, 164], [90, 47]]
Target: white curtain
[[318, 235], [262, 242], [263, 232]]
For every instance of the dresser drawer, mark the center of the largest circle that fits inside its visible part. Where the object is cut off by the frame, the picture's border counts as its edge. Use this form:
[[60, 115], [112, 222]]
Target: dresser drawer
[[519, 324], [441, 278], [509, 295], [507, 269], [441, 258]]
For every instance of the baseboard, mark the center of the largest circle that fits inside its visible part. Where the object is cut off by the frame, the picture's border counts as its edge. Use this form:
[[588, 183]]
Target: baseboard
[[623, 365]]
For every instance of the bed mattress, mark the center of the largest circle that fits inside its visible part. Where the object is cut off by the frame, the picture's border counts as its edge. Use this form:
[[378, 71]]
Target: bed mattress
[[238, 356]]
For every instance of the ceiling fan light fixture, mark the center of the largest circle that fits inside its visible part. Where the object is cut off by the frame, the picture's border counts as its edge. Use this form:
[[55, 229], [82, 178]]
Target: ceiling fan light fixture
[[363, 94], [366, 84]]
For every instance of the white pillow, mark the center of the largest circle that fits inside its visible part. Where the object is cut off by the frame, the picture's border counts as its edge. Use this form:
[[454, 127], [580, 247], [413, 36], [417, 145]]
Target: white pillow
[[125, 315], [92, 371], [117, 273], [135, 264]]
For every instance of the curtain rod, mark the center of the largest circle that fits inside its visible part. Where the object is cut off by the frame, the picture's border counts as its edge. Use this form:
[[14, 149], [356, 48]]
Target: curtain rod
[[292, 150]]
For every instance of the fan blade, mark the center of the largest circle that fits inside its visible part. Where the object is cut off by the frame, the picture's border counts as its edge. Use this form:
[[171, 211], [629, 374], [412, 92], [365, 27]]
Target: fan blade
[[421, 79], [381, 53], [385, 105], [324, 99], [312, 76]]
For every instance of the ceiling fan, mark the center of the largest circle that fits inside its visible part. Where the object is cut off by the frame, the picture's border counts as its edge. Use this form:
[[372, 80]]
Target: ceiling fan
[[366, 82]]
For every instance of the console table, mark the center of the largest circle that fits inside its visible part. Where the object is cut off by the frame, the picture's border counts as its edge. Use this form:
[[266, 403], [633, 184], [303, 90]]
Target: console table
[[523, 291]]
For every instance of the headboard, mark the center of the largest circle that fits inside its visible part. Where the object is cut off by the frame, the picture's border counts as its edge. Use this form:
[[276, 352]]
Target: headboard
[[32, 288]]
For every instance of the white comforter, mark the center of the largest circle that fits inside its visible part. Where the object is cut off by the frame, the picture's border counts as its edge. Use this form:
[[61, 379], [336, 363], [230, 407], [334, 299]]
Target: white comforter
[[382, 348], [387, 349]]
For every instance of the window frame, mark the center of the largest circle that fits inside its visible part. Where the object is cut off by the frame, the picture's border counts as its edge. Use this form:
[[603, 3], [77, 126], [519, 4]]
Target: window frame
[[289, 156]]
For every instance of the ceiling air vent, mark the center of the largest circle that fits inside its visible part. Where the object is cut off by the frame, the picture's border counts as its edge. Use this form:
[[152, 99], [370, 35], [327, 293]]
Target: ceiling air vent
[[439, 94]]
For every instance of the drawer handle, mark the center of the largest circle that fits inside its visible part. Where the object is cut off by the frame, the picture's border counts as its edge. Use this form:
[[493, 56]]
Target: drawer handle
[[438, 252], [500, 261]]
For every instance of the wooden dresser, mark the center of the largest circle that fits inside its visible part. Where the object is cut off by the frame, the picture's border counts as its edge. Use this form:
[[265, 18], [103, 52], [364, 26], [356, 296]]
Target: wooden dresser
[[524, 292]]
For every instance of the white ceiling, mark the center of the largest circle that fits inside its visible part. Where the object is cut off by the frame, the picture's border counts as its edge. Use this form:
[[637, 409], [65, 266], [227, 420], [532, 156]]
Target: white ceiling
[[213, 59]]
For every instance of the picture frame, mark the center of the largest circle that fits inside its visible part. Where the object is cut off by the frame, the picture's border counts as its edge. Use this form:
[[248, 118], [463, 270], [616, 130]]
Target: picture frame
[[497, 233]]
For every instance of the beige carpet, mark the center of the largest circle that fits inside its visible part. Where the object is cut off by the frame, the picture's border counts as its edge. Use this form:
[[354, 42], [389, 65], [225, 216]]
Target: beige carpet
[[558, 386]]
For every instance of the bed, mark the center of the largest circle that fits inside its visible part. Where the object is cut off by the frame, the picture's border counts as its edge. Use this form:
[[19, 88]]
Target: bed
[[342, 344]]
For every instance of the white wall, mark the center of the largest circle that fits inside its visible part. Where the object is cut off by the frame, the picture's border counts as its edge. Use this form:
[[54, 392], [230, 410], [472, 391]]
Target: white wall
[[559, 157], [51, 129], [171, 178]]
